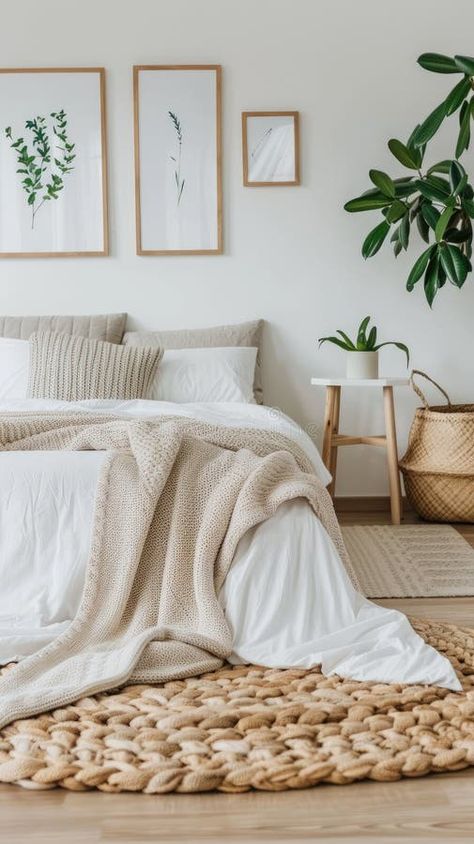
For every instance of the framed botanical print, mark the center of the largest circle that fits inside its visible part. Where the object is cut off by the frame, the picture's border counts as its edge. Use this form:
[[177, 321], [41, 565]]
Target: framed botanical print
[[270, 148], [178, 186], [53, 163]]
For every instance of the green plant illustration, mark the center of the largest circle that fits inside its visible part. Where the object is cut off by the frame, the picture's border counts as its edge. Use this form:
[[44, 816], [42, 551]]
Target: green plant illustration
[[439, 199], [364, 342], [46, 162], [177, 158]]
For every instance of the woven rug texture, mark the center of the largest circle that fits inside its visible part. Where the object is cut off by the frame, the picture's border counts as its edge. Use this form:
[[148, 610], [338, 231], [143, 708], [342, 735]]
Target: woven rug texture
[[248, 727], [410, 561]]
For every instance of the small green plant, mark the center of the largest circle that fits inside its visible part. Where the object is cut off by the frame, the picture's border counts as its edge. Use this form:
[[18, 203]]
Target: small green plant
[[364, 342], [177, 159], [44, 166], [439, 199]]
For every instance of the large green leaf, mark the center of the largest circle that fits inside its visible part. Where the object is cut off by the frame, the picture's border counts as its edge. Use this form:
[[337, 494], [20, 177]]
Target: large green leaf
[[366, 203], [442, 223], [465, 64], [346, 339], [431, 282], [419, 267], [361, 335], [457, 95], [383, 182], [400, 346], [430, 214], [461, 263], [438, 63], [448, 264], [397, 248], [372, 339], [374, 239], [402, 154], [440, 167], [430, 126], [431, 191], [456, 174], [423, 227], [396, 211], [439, 182], [404, 232], [336, 342], [460, 188], [416, 152], [464, 136]]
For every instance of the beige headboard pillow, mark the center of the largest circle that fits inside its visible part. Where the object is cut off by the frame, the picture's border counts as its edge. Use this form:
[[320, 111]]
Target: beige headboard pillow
[[240, 334], [107, 327], [75, 369]]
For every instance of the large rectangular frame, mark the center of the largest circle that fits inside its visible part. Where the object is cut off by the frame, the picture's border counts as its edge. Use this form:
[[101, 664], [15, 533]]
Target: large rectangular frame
[[138, 202], [103, 131]]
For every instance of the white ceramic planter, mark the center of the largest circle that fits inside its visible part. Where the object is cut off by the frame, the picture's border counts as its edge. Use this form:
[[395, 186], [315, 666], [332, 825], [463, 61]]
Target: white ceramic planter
[[362, 365]]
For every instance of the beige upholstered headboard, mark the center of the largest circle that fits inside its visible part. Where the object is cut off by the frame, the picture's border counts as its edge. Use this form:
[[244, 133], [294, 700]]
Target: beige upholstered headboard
[[109, 327]]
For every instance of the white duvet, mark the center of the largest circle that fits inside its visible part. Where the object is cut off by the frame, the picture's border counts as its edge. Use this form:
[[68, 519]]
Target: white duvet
[[287, 597]]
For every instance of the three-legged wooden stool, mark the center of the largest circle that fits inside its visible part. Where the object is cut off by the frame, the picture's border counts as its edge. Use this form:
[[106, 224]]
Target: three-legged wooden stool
[[333, 439]]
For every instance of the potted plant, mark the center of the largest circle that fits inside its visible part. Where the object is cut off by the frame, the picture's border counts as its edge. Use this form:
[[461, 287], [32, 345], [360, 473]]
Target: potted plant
[[363, 354], [439, 199]]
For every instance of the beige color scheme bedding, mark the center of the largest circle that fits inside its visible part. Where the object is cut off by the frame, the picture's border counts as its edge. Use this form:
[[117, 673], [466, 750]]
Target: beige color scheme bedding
[[174, 497], [71, 368], [107, 327], [240, 334]]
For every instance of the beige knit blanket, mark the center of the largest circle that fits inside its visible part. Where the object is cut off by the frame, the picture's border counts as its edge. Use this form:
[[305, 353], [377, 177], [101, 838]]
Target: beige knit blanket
[[174, 497]]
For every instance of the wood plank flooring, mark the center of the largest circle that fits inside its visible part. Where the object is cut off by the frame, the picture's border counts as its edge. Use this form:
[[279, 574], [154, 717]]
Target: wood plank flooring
[[432, 809]]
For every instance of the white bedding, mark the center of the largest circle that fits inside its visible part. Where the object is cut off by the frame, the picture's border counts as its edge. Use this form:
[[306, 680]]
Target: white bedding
[[287, 597]]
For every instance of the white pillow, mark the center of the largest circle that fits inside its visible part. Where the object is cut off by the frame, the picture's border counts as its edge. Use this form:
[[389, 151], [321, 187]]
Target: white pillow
[[206, 375], [14, 363]]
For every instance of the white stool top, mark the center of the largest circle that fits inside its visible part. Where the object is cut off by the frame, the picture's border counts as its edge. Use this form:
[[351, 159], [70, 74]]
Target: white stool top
[[360, 382]]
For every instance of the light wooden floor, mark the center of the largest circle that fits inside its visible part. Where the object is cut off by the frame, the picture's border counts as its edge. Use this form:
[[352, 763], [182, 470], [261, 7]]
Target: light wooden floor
[[437, 808]]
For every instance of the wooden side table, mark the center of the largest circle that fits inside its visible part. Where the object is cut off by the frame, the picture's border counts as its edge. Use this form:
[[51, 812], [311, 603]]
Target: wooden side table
[[333, 439]]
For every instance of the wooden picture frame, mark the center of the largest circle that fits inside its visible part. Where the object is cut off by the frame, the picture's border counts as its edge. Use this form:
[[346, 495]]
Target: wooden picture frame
[[78, 223], [282, 163], [170, 101]]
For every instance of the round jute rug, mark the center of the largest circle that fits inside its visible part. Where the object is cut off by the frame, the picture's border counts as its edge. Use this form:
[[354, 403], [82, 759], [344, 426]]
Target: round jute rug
[[250, 727]]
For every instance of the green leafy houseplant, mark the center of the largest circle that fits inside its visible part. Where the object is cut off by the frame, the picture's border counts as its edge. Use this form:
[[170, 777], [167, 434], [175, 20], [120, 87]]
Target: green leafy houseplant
[[364, 342], [45, 165], [439, 199]]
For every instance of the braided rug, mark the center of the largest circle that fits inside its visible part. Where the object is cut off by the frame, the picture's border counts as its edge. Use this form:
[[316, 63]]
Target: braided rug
[[247, 727]]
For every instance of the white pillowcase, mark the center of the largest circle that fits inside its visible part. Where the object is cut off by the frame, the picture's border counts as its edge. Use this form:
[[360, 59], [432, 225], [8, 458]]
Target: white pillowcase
[[14, 364], [206, 375]]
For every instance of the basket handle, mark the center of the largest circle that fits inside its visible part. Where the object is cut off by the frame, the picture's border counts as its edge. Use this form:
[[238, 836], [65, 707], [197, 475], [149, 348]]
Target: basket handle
[[418, 391]]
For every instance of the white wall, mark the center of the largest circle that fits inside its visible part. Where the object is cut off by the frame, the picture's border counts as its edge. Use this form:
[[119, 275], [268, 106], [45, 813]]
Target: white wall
[[292, 255]]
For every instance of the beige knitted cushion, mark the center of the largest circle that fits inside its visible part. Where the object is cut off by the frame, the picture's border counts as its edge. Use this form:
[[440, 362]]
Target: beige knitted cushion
[[72, 368]]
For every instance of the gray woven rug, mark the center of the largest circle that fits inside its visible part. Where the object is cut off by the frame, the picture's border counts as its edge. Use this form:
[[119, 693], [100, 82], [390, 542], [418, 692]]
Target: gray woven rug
[[411, 561]]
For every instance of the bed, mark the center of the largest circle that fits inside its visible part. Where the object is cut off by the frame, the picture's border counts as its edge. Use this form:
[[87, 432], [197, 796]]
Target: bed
[[287, 597]]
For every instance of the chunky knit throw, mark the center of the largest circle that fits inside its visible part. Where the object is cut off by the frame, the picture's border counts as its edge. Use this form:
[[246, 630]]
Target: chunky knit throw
[[173, 499]]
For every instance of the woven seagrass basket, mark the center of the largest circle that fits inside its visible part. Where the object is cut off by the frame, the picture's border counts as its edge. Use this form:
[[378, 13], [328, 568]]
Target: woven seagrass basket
[[438, 467]]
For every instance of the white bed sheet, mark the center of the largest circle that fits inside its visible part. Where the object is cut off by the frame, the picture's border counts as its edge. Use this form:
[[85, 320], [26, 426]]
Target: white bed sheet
[[287, 597]]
